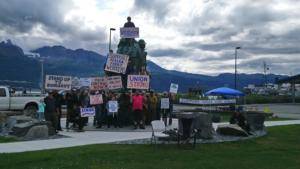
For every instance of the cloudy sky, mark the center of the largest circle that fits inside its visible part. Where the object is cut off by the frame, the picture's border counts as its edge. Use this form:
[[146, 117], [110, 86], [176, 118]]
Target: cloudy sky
[[197, 36]]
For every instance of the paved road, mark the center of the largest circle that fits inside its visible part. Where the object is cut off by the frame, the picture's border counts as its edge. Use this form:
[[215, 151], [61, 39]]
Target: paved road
[[283, 110]]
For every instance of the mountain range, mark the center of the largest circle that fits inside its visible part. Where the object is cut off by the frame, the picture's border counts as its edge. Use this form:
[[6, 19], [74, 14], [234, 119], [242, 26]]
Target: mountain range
[[18, 67]]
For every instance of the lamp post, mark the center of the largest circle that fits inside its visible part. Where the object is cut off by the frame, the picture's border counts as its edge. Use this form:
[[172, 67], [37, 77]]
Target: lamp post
[[111, 29], [235, 68], [42, 75]]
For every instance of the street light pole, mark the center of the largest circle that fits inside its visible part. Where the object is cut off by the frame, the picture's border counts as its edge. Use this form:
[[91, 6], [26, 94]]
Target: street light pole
[[235, 68], [111, 29], [42, 76]]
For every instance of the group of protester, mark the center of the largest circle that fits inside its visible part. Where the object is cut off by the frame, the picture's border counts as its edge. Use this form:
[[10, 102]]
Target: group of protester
[[137, 108]]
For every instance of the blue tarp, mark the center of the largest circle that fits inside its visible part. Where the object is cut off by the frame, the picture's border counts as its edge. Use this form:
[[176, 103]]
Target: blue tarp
[[225, 91]]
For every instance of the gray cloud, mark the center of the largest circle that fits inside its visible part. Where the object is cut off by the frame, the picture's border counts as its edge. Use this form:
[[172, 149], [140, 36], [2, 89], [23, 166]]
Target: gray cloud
[[158, 8], [167, 52], [23, 15], [20, 17]]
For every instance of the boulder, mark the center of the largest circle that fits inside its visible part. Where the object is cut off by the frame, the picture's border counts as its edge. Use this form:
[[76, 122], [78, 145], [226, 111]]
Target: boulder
[[198, 120], [255, 120], [22, 129], [204, 123], [37, 132], [231, 130], [11, 121], [2, 122]]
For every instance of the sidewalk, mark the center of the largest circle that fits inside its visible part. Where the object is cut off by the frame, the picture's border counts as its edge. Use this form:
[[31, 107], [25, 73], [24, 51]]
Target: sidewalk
[[96, 137]]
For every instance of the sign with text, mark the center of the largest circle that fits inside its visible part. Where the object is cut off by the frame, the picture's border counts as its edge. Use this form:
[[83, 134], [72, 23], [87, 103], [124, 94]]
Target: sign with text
[[54, 82], [113, 106], [80, 82], [207, 102], [96, 99], [173, 88], [138, 82], [98, 83], [114, 82], [129, 32], [87, 112], [164, 103], [117, 63]]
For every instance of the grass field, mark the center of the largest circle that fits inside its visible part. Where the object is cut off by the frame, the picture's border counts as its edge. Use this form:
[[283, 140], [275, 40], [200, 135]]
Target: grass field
[[280, 149], [7, 139]]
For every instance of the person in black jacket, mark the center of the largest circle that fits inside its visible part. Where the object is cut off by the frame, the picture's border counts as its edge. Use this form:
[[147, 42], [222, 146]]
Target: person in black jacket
[[129, 24], [71, 102], [58, 103], [50, 110]]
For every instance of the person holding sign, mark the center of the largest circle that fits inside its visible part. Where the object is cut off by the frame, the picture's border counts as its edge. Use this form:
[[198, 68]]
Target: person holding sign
[[165, 106], [137, 107], [112, 111], [129, 24]]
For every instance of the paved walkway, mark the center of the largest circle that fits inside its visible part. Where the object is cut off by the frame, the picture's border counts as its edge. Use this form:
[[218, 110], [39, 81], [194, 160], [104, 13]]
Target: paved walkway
[[95, 137]]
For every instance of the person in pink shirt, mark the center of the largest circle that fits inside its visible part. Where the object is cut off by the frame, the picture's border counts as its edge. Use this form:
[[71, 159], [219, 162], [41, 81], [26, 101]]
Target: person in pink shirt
[[137, 108]]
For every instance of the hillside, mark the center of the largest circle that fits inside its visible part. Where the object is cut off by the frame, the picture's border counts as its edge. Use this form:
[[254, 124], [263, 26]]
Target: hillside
[[82, 63]]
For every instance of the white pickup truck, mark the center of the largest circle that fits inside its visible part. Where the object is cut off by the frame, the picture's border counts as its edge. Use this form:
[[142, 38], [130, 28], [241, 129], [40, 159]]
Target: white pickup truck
[[11, 101]]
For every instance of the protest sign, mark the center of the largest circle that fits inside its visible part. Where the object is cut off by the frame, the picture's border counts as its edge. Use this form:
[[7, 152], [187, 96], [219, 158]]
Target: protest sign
[[85, 82], [112, 107], [54, 82], [117, 63], [114, 82], [87, 112], [129, 32], [96, 99], [173, 88], [98, 83], [138, 82], [80, 82], [164, 103]]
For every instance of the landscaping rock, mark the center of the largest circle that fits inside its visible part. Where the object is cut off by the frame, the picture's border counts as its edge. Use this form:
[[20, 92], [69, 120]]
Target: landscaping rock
[[37, 132], [2, 123], [22, 129], [11, 121], [255, 120], [204, 123], [231, 130]]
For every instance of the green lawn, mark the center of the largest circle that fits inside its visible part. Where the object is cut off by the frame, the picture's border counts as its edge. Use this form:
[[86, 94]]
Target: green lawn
[[280, 149], [7, 139]]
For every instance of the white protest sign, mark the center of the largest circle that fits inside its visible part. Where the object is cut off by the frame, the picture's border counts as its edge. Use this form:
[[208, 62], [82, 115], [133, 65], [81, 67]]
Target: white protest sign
[[85, 82], [87, 112], [117, 63], [206, 102], [54, 82], [129, 32], [113, 106], [81, 82], [173, 88], [96, 99], [164, 103], [138, 82], [98, 83], [114, 82]]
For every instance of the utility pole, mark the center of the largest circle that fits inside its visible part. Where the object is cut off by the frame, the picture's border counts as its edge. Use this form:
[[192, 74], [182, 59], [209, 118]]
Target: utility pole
[[266, 68], [235, 68], [42, 75]]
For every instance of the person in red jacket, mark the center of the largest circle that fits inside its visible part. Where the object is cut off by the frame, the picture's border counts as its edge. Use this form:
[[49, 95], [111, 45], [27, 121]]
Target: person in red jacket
[[137, 107]]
